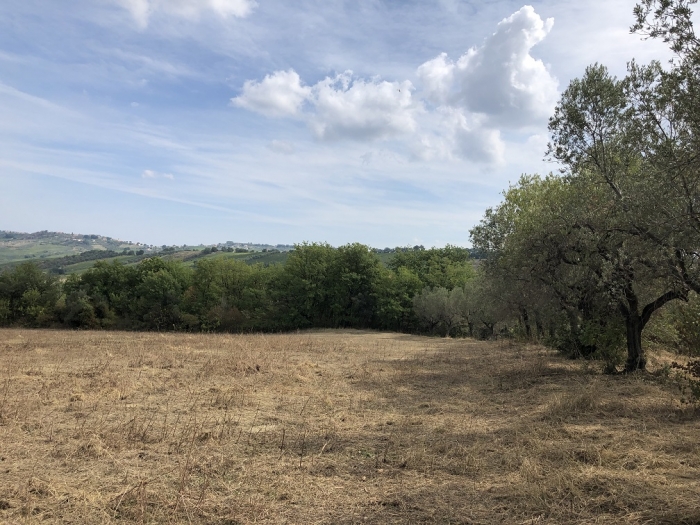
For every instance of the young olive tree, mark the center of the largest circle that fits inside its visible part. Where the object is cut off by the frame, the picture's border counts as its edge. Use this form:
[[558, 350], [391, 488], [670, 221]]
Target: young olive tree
[[441, 309], [535, 270]]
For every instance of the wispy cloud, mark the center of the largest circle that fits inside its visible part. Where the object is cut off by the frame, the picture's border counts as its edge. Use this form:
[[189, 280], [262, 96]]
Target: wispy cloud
[[143, 10], [281, 146], [150, 174], [150, 65]]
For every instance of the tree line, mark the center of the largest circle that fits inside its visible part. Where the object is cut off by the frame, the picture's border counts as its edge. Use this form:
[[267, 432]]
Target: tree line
[[319, 286]]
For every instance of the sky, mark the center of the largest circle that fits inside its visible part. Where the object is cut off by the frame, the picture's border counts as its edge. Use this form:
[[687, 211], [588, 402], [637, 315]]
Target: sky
[[385, 122]]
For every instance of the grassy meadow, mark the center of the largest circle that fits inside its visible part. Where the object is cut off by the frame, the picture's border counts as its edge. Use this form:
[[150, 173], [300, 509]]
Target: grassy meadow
[[333, 427]]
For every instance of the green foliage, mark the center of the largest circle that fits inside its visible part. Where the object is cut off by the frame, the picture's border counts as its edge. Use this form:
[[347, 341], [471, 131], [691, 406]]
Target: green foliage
[[324, 286], [607, 337], [670, 20], [687, 325], [28, 296], [110, 290], [144, 296], [78, 311], [5, 311], [395, 292], [430, 306], [158, 293], [441, 310], [483, 306], [353, 279], [229, 295], [447, 267], [303, 287]]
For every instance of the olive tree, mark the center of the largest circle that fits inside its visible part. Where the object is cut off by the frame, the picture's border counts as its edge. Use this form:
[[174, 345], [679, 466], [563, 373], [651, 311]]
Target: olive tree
[[616, 237]]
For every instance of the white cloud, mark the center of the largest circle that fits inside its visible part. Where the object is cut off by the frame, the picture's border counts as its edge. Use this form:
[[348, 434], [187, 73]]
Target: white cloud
[[150, 174], [360, 110], [457, 135], [500, 78], [238, 8], [142, 10], [342, 107], [497, 85], [278, 95], [139, 9], [437, 79], [476, 143]]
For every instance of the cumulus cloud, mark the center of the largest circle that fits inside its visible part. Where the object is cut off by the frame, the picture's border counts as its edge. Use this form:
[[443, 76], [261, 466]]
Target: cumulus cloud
[[476, 143], [150, 174], [342, 107], [500, 78], [461, 136], [437, 79], [359, 109], [458, 113], [142, 10], [278, 95]]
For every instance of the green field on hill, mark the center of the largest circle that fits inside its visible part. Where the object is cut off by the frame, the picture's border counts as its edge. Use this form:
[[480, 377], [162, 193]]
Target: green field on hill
[[67, 253], [39, 246]]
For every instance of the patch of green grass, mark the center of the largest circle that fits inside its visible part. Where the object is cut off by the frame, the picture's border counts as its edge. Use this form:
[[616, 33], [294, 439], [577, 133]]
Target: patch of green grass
[[186, 257], [86, 265], [26, 251]]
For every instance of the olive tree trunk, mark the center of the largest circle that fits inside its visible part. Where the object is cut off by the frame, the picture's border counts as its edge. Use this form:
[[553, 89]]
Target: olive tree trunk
[[636, 357], [635, 323]]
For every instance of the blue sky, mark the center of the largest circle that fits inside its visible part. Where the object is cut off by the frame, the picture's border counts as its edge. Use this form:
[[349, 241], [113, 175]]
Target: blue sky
[[384, 122]]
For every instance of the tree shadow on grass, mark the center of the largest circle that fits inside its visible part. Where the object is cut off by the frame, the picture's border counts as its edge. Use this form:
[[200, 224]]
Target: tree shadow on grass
[[506, 436]]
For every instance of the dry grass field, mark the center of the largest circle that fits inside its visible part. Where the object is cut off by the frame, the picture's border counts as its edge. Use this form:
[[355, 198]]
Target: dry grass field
[[333, 427]]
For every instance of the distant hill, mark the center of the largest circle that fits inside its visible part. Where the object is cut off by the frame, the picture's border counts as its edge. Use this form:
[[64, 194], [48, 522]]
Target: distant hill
[[16, 247], [66, 253]]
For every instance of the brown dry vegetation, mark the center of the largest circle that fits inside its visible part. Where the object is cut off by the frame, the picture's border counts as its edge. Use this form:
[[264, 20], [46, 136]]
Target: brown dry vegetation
[[332, 427]]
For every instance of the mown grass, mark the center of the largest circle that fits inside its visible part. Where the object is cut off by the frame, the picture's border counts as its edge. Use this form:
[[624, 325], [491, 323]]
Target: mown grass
[[332, 427]]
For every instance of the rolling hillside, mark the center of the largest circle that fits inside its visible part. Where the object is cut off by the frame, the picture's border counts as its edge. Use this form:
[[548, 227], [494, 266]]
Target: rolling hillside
[[17, 247], [67, 253]]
